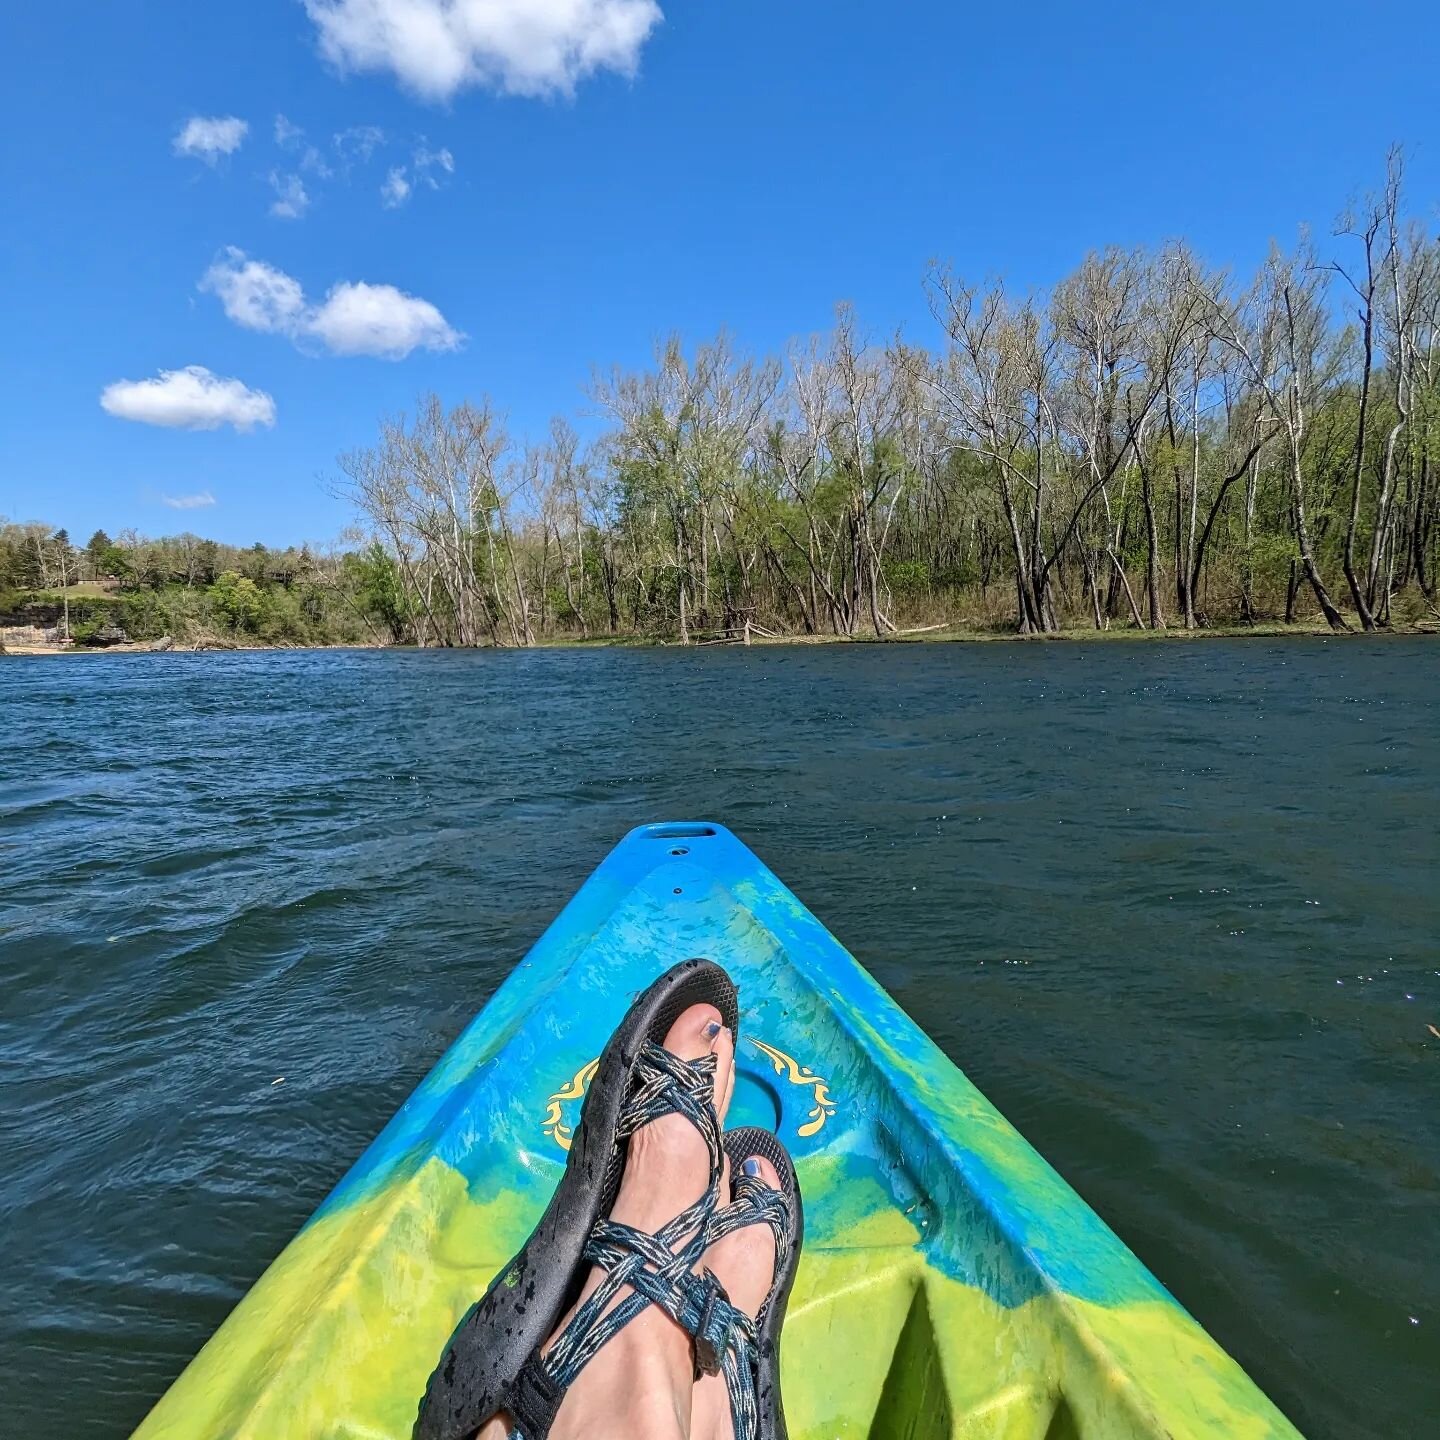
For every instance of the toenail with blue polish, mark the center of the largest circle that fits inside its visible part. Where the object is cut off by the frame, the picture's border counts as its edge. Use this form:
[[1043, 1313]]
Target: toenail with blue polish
[[712, 1029], [751, 1167]]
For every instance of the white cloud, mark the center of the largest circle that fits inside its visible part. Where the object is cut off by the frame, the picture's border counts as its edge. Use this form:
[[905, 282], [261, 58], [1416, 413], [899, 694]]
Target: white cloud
[[361, 319], [515, 47], [189, 399], [400, 184], [287, 134], [355, 318], [290, 136], [396, 189], [427, 160], [291, 199], [313, 161], [188, 502], [255, 295], [359, 142], [208, 138]]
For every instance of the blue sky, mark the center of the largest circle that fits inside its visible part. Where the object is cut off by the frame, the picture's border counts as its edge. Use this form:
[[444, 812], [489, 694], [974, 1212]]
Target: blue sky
[[583, 177]]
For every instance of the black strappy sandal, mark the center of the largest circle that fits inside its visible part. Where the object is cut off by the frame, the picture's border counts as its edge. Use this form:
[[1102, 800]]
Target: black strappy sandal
[[493, 1363], [750, 1361]]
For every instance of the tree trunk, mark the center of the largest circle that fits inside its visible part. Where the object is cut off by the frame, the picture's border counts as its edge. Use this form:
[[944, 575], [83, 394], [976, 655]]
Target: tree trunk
[[1152, 549], [1190, 565], [1247, 564], [1333, 617]]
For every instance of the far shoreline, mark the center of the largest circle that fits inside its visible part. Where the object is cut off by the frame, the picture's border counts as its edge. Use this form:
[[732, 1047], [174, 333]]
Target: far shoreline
[[938, 636]]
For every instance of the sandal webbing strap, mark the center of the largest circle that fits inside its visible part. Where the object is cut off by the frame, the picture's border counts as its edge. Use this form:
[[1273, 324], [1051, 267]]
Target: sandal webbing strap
[[658, 1268], [726, 1344], [755, 1203]]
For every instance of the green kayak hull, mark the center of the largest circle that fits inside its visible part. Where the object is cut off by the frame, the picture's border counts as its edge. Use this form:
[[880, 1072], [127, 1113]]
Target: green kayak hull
[[951, 1284]]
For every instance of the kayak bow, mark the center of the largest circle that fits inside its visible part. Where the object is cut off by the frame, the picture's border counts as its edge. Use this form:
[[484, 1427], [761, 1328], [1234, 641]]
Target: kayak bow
[[951, 1284]]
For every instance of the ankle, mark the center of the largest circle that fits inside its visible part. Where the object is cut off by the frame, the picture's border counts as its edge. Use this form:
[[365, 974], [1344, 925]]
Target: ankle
[[638, 1387], [655, 1370]]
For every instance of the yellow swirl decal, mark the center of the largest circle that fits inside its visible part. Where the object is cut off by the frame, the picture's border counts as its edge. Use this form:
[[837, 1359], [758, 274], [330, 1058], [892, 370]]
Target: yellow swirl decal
[[798, 1074], [555, 1128], [554, 1122]]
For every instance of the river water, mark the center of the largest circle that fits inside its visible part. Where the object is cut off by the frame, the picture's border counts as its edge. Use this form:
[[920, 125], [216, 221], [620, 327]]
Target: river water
[[1174, 907]]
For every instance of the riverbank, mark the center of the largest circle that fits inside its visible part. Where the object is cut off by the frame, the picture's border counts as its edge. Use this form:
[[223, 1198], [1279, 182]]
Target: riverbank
[[156, 647], [938, 635], [961, 635]]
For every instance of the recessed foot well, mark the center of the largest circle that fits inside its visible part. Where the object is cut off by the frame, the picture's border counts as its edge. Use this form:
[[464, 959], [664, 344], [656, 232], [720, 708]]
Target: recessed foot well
[[913, 1402]]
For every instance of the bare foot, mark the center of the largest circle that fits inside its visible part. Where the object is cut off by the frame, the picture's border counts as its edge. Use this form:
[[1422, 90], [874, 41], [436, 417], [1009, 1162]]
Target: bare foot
[[640, 1382], [744, 1263]]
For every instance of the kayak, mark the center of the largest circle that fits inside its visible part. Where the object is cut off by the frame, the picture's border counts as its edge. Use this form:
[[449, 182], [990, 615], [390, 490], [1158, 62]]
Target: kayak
[[951, 1283]]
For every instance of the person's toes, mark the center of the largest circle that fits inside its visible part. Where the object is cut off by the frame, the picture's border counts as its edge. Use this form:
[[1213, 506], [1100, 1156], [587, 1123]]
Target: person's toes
[[701, 1031], [724, 1075]]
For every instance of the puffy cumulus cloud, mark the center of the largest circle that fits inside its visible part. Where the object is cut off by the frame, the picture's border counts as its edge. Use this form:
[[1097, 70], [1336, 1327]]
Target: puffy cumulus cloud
[[207, 138], [255, 295], [355, 318], [516, 47], [363, 319], [189, 399]]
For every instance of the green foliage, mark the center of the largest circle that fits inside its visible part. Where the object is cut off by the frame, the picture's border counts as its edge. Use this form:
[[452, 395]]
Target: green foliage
[[908, 577], [208, 557], [374, 579], [1010, 479], [86, 631], [19, 558], [148, 614], [196, 591], [237, 601], [114, 561], [255, 564], [280, 619]]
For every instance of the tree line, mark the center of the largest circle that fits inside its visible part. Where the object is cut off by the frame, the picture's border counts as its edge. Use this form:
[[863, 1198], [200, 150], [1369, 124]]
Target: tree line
[[194, 590], [1151, 443]]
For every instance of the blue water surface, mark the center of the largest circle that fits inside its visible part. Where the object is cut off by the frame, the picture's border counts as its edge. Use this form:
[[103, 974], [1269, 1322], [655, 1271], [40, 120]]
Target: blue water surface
[[1174, 907]]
